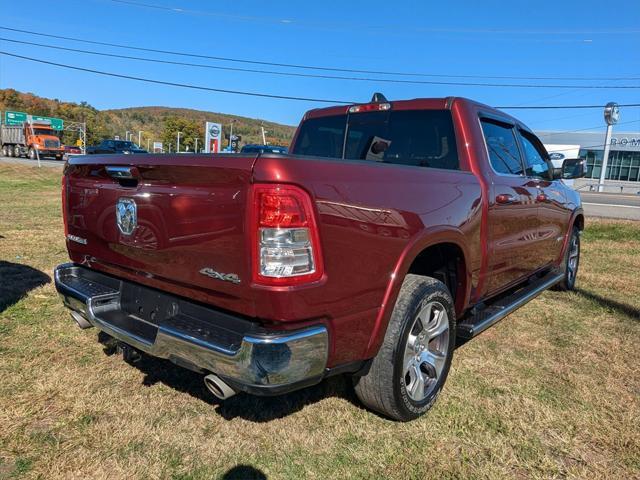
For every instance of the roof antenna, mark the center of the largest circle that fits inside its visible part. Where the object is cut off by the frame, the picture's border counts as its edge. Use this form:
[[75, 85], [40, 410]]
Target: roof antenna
[[378, 98]]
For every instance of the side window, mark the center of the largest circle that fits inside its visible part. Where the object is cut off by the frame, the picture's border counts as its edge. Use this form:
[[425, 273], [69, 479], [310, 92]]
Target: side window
[[504, 154], [535, 163], [110, 144]]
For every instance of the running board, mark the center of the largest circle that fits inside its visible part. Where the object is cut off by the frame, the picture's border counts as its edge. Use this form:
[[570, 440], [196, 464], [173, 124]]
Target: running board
[[476, 323]]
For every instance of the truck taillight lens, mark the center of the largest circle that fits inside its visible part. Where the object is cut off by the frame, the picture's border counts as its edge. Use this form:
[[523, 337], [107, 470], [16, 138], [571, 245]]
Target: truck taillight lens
[[286, 241], [64, 206]]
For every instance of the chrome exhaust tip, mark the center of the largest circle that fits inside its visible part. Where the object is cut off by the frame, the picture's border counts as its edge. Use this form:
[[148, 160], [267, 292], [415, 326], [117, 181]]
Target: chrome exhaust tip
[[82, 322], [218, 387]]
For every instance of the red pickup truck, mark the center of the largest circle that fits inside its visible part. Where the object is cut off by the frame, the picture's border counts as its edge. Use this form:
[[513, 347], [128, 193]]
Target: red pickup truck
[[390, 233]]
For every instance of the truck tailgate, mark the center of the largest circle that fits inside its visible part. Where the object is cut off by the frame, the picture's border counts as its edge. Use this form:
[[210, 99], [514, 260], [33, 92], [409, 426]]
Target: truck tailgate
[[188, 235]]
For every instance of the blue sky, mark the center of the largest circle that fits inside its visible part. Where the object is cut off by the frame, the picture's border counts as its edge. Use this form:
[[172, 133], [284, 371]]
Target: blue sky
[[486, 38]]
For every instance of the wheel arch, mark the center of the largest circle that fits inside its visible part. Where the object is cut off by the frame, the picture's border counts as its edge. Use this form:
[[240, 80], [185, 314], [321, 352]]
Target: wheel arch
[[448, 244]]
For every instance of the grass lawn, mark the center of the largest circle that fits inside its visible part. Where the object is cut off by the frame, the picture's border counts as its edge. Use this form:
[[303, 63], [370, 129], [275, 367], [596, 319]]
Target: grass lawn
[[551, 391]]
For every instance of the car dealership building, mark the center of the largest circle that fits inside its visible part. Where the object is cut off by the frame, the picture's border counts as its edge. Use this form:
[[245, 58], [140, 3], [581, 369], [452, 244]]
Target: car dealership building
[[624, 155]]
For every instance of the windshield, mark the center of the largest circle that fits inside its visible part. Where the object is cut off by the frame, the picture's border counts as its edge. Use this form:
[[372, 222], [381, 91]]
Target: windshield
[[407, 137], [43, 131], [126, 145]]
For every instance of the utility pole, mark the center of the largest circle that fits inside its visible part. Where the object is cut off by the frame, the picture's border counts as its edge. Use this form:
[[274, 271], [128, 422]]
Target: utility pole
[[231, 134], [611, 117], [126, 135], [139, 137], [196, 149], [148, 143], [178, 143], [264, 139]]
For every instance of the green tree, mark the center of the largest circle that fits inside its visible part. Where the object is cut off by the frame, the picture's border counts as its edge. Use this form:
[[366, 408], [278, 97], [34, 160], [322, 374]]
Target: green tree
[[189, 131]]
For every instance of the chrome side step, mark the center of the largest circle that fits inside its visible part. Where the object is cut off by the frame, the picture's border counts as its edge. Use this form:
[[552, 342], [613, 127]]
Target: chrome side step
[[477, 323]]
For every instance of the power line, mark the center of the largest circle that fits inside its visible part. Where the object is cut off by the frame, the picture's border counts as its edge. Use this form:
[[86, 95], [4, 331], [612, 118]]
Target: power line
[[175, 84], [255, 94], [310, 67], [310, 75], [561, 107], [564, 132], [386, 27]]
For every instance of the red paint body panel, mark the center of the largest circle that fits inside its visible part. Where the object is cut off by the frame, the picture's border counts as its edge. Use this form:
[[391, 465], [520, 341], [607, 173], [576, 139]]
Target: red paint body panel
[[373, 220]]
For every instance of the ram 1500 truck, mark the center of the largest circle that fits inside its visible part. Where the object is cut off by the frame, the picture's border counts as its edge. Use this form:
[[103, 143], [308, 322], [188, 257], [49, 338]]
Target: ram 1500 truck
[[392, 231]]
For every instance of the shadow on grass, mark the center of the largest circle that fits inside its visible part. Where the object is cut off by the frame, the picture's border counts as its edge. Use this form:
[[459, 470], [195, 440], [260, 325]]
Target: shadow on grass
[[244, 472], [16, 280], [627, 310], [248, 407]]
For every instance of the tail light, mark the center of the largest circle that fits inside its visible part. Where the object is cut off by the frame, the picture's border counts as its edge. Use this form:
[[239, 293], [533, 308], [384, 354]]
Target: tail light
[[64, 206], [285, 236]]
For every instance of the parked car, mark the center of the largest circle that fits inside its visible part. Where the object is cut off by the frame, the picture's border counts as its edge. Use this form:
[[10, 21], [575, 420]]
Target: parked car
[[391, 232], [72, 150], [115, 146], [31, 139], [256, 148]]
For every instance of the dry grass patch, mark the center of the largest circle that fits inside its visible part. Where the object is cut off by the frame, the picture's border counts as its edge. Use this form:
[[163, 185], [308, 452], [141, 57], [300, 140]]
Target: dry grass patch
[[552, 391]]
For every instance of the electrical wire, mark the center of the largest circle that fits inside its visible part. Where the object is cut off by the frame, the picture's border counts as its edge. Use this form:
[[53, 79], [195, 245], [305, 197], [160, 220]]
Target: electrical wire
[[175, 84], [311, 75], [256, 94], [308, 67]]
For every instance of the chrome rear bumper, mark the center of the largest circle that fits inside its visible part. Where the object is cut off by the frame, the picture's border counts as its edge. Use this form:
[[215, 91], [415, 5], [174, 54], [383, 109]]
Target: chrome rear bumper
[[166, 326]]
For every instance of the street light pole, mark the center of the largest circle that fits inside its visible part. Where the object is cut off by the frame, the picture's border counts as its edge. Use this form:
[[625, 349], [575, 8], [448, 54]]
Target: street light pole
[[126, 135], [139, 137], [231, 134], [178, 143], [611, 117], [196, 149], [264, 139]]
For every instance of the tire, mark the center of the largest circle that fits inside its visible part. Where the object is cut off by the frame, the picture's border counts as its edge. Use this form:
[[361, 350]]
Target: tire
[[406, 376], [32, 154], [570, 263], [17, 152], [9, 151], [58, 157], [4, 151]]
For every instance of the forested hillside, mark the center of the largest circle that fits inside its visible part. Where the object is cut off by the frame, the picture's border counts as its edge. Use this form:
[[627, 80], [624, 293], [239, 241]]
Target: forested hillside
[[156, 123]]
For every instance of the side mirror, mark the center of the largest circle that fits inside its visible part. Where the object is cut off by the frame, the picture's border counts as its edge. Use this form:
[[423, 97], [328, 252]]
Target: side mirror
[[574, 168]]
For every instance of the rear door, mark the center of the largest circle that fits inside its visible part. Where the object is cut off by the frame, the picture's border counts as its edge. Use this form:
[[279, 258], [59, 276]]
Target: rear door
[[512, 214], [552, 215]]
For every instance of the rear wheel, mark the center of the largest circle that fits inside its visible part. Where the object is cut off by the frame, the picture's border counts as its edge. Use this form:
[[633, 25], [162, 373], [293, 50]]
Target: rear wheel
[[4, 151], [32, 153], [9, 151], [571, 262], [17, 152], [409, 371]]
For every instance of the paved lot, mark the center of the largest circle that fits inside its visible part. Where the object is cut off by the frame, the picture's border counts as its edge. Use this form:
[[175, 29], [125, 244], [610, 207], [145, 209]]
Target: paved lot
[[25, 161], [611, 205]]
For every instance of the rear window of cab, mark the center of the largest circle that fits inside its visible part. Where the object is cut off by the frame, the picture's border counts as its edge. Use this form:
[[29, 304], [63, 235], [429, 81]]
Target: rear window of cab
[[423, 138]]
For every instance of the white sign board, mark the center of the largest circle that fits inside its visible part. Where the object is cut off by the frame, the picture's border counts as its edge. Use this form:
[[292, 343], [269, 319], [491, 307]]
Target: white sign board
[[213, 137]]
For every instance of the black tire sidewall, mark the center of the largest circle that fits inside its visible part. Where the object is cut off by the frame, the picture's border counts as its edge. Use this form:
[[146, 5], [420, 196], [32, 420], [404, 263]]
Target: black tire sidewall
[[426, 294], [570, 285]]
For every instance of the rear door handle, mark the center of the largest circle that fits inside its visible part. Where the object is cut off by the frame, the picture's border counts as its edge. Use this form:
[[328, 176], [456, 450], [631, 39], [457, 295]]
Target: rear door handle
[[124, 173], [506, 199]]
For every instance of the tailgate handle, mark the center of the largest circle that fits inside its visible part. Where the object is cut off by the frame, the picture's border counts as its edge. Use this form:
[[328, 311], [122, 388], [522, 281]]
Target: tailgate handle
[[124, 173]]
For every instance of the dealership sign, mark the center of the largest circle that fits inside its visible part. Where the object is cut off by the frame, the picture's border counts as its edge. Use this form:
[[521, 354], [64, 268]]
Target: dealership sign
[[213, 137], [19, 118], [625, 142]]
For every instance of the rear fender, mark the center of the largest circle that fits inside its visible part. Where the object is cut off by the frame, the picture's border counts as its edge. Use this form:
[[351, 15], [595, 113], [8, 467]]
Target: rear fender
[[429, 238]]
